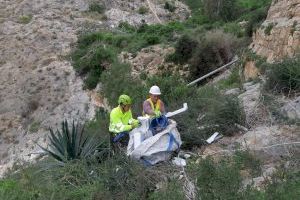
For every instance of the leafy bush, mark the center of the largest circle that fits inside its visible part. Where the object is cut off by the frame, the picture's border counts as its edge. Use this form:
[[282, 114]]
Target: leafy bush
[[234, 29], [221, 180], [253, 4], [68, 145], [143, 10], [284, 77], [184, 49], [216, 180], [25, 19], [126, 179], [96, 58], [125, 26], [171, 191], [170, 6], [246, 160], [268, 29], [233, 81], [11, 189], [216, 48], [95, 7], [285, 184], [206, 53]]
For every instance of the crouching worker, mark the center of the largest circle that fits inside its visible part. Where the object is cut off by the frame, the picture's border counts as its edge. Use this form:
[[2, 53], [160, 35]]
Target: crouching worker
[[154, 107], [121, 121]]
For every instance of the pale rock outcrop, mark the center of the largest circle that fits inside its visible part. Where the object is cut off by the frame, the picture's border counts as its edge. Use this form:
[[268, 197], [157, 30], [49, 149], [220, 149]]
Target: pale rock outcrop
[[128, 11], [250, 71], [279, 36], [291, 109]]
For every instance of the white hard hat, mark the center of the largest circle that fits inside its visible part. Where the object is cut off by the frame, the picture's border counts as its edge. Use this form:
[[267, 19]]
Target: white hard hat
[[155, 90]]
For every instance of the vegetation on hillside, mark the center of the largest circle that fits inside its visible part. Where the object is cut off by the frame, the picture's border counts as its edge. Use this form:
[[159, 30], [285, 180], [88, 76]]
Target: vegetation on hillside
[[210, 38]]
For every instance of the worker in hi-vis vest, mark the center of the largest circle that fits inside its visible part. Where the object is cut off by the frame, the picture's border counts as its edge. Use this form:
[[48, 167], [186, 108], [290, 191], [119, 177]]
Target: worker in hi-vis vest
[[154, 107], [121, 120]]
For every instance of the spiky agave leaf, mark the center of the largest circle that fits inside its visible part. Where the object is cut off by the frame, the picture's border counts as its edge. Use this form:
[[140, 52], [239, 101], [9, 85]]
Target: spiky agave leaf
[[89, 147], [68, 145]]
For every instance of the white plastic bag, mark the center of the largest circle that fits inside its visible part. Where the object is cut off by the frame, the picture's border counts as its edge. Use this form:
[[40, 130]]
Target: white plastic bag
[[153, 149]]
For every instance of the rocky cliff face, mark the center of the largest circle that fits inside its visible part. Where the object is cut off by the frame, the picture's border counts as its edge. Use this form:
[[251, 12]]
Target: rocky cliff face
[[279, 35], [38, 87]]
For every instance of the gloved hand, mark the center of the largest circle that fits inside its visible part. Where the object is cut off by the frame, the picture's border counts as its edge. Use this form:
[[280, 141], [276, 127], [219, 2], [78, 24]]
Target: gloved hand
[[135, 123], [157, 113]]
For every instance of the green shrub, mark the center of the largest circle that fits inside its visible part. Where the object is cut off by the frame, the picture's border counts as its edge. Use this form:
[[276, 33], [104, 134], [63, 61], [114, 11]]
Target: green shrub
[[184, 49], [34, 127], [233, 81], [125, 26], [171, 191], [170, 6], [125, 178], [92, 79], [96, 57], [215, 49], [25, 19], [234, 29], [11, 189], [285, 184], [152, 39], [246, 160], [143, 10], [216, 180], [284, 77], [253, 4], [268, 29], [95, 7], [195, 6], [205, 53], [71, 181]]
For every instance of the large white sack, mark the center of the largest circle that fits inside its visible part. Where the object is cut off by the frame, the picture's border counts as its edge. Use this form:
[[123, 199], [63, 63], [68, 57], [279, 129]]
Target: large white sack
[[153, 149]]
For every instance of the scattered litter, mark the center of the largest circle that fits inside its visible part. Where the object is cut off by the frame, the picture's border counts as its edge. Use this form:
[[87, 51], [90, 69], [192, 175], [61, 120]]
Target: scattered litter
[[179, 162], [214, 137], [184, 155]]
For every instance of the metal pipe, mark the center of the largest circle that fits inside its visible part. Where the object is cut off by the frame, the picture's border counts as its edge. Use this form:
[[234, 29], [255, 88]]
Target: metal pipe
[[213, 72]]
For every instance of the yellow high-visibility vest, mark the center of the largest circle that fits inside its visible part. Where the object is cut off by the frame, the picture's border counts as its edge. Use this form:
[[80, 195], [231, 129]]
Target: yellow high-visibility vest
[[155, 107]]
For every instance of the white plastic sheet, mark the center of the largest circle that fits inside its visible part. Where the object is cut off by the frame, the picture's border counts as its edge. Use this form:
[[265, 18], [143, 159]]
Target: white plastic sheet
[[154, 149]]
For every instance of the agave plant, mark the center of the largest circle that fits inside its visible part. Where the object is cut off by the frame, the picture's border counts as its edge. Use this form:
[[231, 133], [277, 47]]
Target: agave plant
[[67, 145]]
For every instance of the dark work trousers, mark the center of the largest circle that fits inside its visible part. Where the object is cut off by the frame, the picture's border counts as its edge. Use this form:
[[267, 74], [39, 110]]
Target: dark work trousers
[[120, 141]]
